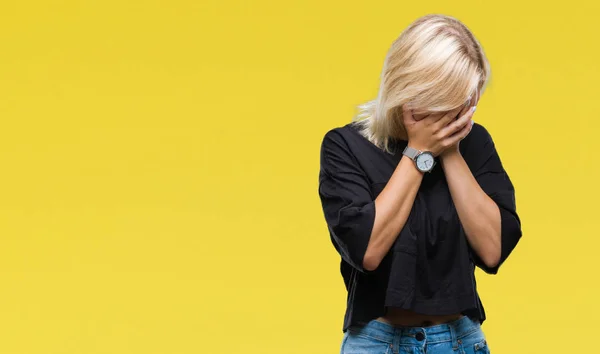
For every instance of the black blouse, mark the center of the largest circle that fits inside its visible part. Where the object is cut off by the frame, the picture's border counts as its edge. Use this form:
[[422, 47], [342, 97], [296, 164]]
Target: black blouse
[[430, 267]]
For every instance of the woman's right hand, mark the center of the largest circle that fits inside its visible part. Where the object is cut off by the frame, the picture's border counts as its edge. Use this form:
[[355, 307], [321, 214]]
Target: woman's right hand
[[436, 132]]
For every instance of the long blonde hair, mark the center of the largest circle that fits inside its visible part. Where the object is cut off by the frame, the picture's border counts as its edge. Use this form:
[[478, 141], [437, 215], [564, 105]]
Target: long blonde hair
[[436, 65]]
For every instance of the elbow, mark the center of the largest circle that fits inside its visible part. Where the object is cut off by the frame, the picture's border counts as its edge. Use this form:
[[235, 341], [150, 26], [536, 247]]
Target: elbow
[[492, 261], [490, 254], [493, 257], [370, 262]]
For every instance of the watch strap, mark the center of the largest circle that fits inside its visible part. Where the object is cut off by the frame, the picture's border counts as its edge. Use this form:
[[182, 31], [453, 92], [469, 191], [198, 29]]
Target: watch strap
[[412, 153]]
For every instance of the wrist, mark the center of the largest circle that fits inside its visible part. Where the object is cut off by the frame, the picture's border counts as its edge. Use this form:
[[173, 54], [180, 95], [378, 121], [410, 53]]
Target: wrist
[[415, 144], [450, 157], [424, 161], [450, 152], [405, 160]]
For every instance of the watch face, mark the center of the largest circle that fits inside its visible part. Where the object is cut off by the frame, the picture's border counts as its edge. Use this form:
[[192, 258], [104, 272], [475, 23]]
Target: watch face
[[425, 162]]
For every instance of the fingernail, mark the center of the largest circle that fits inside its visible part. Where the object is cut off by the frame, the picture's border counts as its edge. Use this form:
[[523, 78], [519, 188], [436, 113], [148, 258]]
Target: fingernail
[[472, 122], [474, 108]]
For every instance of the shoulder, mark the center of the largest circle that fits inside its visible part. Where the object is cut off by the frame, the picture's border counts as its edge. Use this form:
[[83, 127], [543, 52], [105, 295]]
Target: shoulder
[[479, 141], [340, 134], [479, 135], [339, 139], [478, 149], [340, 148]]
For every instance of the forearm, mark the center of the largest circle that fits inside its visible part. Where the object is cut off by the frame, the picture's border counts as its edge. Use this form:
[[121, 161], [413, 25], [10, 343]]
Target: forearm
[[392, 207], [478, 213]]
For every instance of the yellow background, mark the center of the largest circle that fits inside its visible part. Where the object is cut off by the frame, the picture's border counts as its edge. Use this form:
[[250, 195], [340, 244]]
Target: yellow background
[[159, 164]]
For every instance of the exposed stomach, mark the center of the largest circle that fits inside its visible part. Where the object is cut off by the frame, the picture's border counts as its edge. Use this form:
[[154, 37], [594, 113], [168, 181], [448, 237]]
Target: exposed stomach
[[400, 317]]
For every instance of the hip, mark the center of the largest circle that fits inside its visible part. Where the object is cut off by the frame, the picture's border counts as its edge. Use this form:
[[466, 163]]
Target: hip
[[461, 336]]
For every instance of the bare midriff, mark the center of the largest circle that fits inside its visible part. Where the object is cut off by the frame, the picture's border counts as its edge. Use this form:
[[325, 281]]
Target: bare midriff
[[400, 317]]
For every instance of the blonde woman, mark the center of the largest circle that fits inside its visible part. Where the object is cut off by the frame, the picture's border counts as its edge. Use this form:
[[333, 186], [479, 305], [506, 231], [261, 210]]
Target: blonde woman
[[415, 197]]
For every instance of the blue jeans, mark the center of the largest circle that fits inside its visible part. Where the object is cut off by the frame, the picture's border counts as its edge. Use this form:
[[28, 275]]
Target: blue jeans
[[462, 336]]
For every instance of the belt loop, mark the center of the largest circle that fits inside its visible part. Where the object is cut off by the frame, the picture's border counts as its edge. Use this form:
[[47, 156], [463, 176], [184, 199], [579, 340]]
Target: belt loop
[[453, 336], [396, 341]]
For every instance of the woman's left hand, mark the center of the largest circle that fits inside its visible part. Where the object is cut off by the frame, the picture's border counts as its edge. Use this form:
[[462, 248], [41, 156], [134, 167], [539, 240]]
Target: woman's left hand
[[468, 109]]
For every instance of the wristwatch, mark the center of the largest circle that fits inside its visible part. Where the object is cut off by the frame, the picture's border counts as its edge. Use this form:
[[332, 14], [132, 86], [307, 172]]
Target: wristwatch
[[424, 160]]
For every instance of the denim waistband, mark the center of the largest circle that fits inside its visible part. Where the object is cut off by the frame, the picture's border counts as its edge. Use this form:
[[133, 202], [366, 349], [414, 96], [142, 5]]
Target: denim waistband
[[451, 331]]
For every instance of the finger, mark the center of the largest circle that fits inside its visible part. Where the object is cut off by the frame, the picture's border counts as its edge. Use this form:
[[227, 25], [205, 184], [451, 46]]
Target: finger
[[452, 129], [473, 100], [466, 106], [458, 124], [407, 113], [447, 118], [434, 118], [459, 135], [465, 109]]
